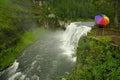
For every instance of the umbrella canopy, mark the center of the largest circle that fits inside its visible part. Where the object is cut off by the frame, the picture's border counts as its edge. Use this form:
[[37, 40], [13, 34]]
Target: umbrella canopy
[[102, 19]]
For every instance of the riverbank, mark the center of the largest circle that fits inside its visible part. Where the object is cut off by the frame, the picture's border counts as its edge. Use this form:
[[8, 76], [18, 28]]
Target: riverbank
[[97, 59], [12, 53]]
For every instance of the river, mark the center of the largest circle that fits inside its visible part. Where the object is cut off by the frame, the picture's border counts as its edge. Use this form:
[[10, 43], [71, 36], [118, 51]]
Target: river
[[49, 57]]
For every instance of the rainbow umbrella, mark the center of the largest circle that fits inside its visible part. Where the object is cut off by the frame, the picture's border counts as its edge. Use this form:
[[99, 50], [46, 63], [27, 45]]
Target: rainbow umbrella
[[102, 19]]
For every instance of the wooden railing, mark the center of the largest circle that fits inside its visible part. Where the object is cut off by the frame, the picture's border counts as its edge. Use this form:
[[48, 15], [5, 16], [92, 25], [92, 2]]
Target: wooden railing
[[113, 31]]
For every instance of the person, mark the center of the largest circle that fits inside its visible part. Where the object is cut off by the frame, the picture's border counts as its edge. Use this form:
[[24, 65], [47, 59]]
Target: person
[[100, 30], [100, 26]]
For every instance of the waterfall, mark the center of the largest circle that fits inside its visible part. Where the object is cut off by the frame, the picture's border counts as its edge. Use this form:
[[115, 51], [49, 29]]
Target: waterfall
[[50, 56], [71, 37]]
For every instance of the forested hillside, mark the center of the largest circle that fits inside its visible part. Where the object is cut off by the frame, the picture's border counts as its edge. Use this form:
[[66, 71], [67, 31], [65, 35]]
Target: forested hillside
[[15, 20], [77, 9]]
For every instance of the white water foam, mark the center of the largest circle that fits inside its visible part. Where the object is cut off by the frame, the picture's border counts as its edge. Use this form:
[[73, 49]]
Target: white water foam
[[17, 75], [71, 38], [35, 77], [11, 70]]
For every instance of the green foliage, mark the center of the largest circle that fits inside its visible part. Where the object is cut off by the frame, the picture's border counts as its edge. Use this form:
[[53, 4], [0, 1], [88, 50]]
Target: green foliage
[[77, 9], [7, 56], [4, 2], [15, 20], [73, 9], [96, 60]]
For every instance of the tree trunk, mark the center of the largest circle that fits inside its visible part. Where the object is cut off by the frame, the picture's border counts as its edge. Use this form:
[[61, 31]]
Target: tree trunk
[[116, 13]]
